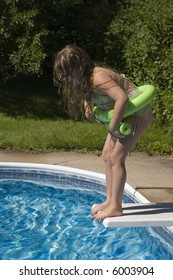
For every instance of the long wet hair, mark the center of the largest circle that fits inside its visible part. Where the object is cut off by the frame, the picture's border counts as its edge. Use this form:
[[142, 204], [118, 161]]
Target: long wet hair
[[73, 75]]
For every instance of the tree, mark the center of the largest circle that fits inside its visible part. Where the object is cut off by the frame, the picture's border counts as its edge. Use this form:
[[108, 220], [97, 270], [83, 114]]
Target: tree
[[80, 22], [143, 35], [32, 31], [21, 33]]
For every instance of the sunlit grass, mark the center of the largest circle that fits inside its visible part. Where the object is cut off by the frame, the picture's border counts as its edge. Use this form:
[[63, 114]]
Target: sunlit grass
[[60, 134], [30, 134], [32, 118]]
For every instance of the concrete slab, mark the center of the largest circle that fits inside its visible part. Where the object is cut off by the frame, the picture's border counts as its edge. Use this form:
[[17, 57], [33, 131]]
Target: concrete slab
[[157, 194], [143, 215]]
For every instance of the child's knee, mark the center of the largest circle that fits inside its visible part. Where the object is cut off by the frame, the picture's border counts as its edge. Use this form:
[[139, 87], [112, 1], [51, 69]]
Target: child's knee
[[106, 154], [117, 159]]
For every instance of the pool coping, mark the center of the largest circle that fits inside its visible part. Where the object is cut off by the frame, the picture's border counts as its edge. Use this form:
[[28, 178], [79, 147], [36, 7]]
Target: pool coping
[[79, 172], [76, 171]]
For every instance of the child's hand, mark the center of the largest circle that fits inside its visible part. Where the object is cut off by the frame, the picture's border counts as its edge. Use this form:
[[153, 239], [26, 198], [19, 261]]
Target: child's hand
[[116, 134]]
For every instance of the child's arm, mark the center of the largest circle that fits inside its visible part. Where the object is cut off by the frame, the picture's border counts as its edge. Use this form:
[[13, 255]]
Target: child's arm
[[89, 112], [103, 81]]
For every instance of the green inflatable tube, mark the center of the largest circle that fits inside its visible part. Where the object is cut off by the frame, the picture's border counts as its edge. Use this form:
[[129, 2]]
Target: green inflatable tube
[[134, 105]]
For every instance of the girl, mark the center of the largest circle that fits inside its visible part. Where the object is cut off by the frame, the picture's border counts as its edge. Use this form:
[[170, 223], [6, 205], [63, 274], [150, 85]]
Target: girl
[[85, 84]]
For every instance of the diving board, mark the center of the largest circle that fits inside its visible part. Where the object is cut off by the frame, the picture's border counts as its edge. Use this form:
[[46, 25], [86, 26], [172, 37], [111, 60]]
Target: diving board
[[143, 215]]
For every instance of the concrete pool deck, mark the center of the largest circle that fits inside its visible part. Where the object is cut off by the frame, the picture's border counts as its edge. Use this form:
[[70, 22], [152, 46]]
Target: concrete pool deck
[[151, 176]]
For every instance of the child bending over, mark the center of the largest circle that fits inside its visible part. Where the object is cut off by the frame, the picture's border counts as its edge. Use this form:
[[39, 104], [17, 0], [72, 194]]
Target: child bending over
[[85, 84]]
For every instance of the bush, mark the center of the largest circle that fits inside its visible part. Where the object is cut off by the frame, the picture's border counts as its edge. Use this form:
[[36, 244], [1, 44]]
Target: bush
[[142, 35], [163, 109]]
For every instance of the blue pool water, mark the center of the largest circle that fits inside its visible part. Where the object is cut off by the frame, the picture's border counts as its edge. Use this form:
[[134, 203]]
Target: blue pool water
[[48, 221]]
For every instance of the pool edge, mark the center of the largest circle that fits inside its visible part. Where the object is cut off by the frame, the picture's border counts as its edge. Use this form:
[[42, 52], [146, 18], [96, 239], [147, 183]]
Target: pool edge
[[76, 171]]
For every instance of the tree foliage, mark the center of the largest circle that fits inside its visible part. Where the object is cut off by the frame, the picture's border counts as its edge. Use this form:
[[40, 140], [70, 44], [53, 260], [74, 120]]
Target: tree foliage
[[134, 36], [141, 41], [33, 30], [21, 34]]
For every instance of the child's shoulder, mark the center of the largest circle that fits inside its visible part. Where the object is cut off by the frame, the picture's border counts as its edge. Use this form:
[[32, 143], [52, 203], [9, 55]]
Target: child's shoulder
[[101, 76]]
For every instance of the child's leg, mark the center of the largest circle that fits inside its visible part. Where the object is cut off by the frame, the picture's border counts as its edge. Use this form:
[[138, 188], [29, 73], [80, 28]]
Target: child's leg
[[118, 157], [108, 171], [120, 150]]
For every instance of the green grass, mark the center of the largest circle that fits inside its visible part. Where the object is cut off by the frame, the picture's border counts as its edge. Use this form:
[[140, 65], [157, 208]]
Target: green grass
[[32, 118], [156, 141], [49, 135], [60, 134], [35, 98]]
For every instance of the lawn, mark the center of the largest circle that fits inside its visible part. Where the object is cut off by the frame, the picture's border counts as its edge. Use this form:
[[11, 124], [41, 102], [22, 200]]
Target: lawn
[[32, 117]]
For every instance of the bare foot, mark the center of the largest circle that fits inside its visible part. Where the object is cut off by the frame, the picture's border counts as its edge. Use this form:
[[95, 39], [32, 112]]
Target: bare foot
[[107, 213], [99, 207]]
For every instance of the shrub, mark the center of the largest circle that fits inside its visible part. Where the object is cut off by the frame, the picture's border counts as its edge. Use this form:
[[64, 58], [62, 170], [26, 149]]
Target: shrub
[[141, 41]]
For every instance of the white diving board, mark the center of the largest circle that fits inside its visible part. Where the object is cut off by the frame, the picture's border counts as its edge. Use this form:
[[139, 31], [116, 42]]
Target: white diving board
[[143, 215]]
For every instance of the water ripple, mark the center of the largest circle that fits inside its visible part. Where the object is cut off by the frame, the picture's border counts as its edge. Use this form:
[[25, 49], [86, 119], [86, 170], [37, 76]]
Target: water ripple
[[43, 222]]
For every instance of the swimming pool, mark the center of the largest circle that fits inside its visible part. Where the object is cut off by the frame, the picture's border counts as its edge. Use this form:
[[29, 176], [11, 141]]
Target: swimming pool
[[45, 214]]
